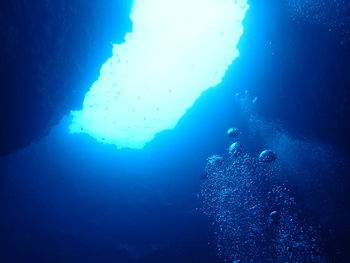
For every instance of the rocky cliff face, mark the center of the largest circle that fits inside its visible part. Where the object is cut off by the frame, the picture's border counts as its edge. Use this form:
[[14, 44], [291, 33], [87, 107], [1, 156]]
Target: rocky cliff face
[[51, 52]]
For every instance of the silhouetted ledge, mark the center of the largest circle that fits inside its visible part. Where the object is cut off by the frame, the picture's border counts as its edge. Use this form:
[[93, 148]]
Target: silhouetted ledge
[[50, 53]]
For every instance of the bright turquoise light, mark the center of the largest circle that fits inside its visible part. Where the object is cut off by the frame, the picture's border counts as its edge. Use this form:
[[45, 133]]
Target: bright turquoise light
[[176, 50]]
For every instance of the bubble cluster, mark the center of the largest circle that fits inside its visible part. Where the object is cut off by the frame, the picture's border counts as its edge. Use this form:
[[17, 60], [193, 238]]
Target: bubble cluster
[[254, 214], [334, 14]]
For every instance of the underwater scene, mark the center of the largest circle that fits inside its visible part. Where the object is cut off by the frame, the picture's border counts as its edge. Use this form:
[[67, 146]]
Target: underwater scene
[[175, 131]]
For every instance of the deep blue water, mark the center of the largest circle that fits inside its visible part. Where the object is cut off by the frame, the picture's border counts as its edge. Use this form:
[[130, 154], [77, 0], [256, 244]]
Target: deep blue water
[[68, 198]]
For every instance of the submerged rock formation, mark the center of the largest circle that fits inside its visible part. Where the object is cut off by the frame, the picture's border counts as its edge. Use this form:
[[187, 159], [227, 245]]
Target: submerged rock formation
[[51, 52]]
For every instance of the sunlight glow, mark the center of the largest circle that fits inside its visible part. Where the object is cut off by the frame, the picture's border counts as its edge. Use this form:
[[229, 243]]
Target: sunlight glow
[[176, 50]]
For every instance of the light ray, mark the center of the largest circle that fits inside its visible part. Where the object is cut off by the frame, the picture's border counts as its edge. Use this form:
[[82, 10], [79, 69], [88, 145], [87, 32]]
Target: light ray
[[176, 50]]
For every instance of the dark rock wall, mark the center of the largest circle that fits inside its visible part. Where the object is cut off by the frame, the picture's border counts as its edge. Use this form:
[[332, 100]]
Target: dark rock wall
[[51, 52], [301, 68]]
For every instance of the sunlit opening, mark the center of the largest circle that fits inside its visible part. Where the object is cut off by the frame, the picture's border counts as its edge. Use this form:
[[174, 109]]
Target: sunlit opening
[[176, 50]]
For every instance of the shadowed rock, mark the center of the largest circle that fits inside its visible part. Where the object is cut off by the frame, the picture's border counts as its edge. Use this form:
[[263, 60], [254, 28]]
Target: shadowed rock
[[51, 52]]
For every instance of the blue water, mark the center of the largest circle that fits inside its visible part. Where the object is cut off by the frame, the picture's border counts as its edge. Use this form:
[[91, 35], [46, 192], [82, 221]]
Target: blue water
[[69, 198]]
